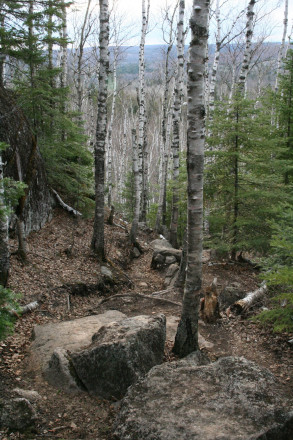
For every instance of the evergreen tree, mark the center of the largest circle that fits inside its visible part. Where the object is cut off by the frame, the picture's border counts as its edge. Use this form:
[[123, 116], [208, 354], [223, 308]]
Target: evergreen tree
[[32, 29], [243, 177]]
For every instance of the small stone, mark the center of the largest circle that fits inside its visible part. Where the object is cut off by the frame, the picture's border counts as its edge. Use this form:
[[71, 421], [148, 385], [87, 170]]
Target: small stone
[[170, 260], [30, 395], [135, 252], [106, 272]]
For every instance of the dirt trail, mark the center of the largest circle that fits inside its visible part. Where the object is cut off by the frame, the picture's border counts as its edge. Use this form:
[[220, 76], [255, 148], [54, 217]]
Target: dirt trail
[[65, 278]]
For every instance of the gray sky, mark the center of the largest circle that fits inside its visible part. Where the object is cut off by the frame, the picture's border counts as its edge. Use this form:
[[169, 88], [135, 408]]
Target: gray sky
[[271, 25]]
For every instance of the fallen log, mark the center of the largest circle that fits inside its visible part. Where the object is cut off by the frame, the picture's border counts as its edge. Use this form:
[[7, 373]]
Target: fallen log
[[245, 303]]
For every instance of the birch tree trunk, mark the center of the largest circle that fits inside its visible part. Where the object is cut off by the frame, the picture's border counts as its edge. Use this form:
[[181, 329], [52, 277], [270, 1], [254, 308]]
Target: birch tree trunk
[[82, 42], [97, 243], [186, 340], [2, 56], [247, 52], [282, 47], [110, 128], [240, 92], [4, 249], [141, 95], [64, 57], [211, 97], [134, 226], [178, 92]]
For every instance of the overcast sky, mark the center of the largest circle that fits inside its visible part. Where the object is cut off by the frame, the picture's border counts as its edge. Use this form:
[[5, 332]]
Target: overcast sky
[[271, 10]]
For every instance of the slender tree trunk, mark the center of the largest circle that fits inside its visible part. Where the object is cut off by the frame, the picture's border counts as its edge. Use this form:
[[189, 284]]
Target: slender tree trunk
[[240, 92], [110, 128], [178, 92], [247, 52], [80, 60], [145, 170], [64, 57], [186, 339], [236, 189], [97, 243], [2, 56], [211, 98], [282, 47], [134, 226], [4, 249], [141, 95]]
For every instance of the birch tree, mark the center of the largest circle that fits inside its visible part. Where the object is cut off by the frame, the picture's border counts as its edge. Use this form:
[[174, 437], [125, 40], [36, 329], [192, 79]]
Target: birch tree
[[168, 36], [97, 243], [134, 226], [4, 248], [186, 339], [178, 93], [64, 42], [141, 99]]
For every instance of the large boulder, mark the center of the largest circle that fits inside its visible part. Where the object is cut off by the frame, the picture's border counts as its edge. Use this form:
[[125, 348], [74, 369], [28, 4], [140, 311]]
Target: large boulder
[[69, 335], [231, 399], [120, 353]]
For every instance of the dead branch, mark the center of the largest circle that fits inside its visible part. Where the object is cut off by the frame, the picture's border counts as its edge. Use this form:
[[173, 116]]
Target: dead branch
[[120, 226], [65, 206], [161, 292]]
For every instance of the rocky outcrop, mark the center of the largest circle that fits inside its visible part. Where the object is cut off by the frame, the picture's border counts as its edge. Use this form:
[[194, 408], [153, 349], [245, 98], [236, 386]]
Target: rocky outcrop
[[24, 163], [120, 353], [231, 399]]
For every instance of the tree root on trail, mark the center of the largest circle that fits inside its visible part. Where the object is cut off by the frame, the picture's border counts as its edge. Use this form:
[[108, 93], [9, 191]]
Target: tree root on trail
[[139, 295]]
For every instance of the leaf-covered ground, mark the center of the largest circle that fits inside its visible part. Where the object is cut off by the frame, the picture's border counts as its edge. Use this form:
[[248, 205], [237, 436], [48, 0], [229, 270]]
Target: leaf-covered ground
[[64, 277]]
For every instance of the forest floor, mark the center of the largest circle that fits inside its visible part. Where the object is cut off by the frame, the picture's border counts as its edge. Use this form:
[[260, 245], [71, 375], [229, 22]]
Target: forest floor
[[64, 277]]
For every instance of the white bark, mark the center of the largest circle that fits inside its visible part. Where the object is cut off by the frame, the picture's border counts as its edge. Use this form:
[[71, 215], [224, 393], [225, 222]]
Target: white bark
[[110, 128], [135, 165], [97, 243], [4, 247], [251, 298], [247, 52], [282, 47], [141, 93], [178, 93], [64, 57], [65, 206], [82, 42], [186, 339], [212, 85]]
